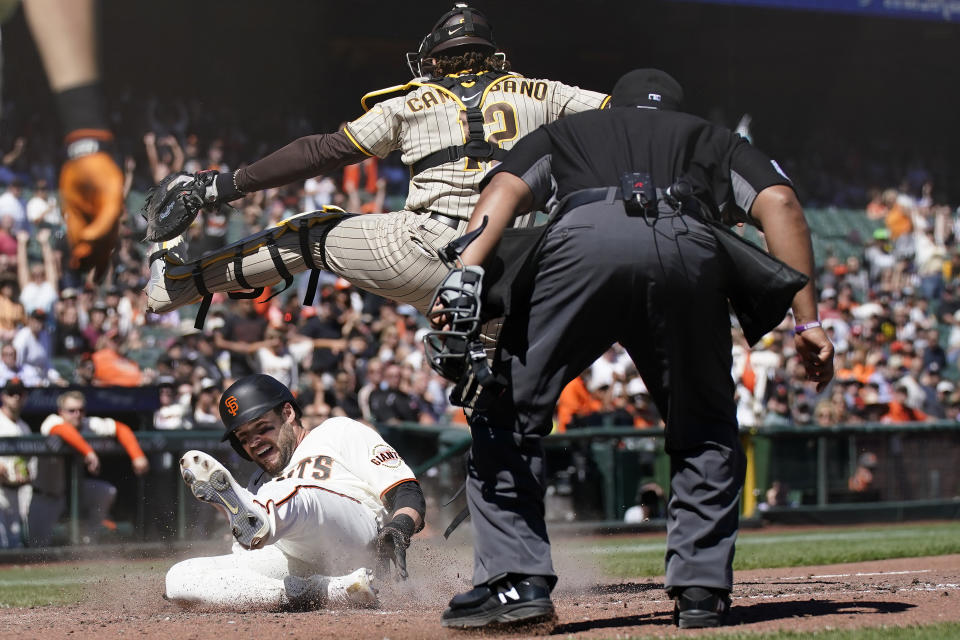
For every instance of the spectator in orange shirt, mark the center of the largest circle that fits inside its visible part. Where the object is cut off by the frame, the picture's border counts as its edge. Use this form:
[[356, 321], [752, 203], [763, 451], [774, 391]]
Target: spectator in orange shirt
[[110, 367], [859, 369], [610, 413], [574, 400], [897, 220], [899, 411]]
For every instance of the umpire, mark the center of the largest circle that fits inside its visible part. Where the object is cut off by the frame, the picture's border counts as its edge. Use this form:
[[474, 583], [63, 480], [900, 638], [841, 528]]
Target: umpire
[[638, 253]]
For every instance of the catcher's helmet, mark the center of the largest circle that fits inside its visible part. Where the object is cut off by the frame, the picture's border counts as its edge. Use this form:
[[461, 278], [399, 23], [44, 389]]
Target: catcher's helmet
[[462, 26], [249, 398]]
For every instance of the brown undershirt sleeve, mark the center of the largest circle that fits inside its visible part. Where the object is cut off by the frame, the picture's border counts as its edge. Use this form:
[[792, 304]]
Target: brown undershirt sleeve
[[303, 158]]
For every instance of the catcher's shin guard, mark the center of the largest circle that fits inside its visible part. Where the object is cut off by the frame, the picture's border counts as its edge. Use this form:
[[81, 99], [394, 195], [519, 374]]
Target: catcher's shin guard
[[242, 269]]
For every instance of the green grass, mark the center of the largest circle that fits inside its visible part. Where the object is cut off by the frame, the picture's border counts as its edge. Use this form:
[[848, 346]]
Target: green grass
[[764, 550], [943, 631], [44, 585]]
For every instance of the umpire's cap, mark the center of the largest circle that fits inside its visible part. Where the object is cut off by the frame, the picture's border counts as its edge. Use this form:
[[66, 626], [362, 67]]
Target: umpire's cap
[[249, 398], [648, 88]]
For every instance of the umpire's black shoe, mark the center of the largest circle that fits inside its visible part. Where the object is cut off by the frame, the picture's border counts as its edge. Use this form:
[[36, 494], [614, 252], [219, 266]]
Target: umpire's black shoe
[[519, 601], [699, 607]]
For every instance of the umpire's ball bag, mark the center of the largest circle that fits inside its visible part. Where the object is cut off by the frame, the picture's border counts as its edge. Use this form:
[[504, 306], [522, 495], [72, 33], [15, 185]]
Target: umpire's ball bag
[[762, 288]]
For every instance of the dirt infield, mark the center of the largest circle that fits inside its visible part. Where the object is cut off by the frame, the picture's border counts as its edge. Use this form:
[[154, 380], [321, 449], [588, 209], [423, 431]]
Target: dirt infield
[[891, 593]]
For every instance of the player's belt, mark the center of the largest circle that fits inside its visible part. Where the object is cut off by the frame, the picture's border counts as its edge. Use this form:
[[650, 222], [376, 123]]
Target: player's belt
[[450, 221]]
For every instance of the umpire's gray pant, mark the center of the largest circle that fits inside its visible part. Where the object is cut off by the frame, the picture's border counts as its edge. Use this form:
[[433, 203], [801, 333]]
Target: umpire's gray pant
[[657, 287]]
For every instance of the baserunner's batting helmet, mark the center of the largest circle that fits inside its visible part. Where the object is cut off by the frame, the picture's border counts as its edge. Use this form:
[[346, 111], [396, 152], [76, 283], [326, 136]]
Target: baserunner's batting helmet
[[249, 398], [462, 26]]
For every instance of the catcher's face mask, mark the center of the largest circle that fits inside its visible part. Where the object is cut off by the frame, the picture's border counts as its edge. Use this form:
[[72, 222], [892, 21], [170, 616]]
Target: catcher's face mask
[[457, 308]]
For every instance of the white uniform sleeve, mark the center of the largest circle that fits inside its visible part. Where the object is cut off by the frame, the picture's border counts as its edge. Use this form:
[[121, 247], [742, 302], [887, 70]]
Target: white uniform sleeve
[[370, 458], [566, 100], [49, 423], [9, 464], [379, 131], [101, 426]]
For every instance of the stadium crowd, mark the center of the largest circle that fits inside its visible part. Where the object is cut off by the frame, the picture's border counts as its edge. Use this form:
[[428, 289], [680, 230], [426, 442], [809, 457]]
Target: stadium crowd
[[892, 309]]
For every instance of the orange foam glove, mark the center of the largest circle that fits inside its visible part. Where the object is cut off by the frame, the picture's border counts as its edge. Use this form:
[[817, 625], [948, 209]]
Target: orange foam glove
[[91, 192]]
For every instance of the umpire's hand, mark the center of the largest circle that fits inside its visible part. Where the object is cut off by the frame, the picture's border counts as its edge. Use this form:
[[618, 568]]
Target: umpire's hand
[[816, 352], [392, 543]]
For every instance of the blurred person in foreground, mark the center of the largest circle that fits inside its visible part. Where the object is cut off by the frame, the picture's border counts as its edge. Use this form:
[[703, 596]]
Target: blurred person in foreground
[[639, 252], [91, 183]]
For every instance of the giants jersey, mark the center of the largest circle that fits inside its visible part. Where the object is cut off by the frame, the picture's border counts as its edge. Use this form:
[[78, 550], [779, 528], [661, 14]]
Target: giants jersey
[[347, 458], [431, 118]]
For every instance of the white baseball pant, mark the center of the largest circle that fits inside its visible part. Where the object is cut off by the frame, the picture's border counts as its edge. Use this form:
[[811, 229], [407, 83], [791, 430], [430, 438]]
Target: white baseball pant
[[316, 532]]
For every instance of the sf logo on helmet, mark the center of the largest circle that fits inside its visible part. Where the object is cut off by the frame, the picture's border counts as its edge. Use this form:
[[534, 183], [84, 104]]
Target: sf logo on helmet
[[232, 405]]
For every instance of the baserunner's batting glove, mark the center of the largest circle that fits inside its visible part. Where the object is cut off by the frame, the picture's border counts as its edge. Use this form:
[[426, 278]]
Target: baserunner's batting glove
[[392, 543]]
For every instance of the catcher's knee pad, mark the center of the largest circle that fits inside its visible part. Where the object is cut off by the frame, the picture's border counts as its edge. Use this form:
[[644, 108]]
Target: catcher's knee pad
[[242, 269]]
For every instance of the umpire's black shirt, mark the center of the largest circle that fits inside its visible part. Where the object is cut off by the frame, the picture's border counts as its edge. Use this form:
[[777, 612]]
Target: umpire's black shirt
[[595, 148]]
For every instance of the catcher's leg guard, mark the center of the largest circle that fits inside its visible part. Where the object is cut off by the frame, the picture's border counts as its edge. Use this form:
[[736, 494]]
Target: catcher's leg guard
[[258, 261]]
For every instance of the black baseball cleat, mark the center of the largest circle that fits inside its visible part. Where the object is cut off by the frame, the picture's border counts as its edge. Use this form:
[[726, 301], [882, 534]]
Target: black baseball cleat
[[699, 607], [507, 602]]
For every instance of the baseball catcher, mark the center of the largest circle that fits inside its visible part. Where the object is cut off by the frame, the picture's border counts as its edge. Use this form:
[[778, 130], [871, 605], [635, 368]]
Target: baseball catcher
[[462, 111], [328, 504]]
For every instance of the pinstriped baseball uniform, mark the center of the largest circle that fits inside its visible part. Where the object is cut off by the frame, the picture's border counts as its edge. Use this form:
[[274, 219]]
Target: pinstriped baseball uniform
[[394, 255], [431, 118]]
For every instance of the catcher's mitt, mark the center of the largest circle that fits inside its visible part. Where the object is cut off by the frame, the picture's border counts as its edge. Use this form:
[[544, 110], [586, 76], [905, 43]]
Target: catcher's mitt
[[172, 205]]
